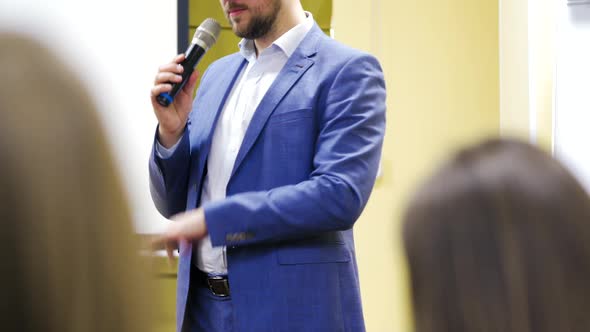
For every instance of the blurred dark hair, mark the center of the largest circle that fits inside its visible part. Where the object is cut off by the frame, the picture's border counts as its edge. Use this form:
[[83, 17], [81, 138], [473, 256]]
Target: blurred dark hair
[[69, 261], [499, 240]]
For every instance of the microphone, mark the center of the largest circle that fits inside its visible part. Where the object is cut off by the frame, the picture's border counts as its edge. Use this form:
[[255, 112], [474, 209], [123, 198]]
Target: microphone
[[205, 36]]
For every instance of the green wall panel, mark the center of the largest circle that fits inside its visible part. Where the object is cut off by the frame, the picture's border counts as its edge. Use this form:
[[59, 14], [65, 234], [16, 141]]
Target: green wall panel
[[199, 10], [321, 10]]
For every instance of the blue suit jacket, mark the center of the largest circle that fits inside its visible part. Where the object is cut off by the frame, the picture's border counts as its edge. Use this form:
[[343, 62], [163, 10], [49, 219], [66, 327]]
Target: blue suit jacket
[[301, 178]]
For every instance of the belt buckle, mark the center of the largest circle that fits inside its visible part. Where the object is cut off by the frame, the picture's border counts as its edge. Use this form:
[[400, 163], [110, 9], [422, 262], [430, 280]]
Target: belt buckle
[[214, 283]]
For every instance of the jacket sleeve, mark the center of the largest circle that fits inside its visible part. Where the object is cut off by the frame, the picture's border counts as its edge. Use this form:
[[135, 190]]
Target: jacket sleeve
[[345, 167], [169, 177]]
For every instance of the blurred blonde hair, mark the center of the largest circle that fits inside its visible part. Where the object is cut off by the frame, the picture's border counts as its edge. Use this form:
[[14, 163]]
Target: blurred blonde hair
[[70, 258]]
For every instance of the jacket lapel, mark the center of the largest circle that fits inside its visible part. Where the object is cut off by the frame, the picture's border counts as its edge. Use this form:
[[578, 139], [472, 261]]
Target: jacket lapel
[[214, 104], [299, 62], [210, 106]]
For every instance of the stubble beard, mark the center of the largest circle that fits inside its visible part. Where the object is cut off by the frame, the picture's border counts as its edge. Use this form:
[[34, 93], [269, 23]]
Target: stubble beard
[[259, 25]]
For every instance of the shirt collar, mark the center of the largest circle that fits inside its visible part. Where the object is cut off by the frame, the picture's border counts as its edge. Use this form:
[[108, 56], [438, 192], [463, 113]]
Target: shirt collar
[[288, 42]]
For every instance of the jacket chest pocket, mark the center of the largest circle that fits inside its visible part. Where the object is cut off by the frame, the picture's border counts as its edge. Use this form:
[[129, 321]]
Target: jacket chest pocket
[[291, 116], [291, 136]]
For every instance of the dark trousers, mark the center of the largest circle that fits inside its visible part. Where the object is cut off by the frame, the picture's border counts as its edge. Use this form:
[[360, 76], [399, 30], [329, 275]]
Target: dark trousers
[[206, 312]]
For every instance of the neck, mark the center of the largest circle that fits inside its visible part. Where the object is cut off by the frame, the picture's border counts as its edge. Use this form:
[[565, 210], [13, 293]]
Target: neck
[[289, 16]]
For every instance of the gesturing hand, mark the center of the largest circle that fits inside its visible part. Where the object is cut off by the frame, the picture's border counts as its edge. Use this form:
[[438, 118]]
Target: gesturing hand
[[186, 226]]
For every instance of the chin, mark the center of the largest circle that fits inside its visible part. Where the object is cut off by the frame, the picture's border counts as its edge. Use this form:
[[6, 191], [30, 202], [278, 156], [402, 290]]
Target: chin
[[238, 30]]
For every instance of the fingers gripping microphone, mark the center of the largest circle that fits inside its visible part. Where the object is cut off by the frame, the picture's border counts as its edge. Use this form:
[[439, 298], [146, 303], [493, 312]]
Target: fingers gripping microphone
[[205, 36]]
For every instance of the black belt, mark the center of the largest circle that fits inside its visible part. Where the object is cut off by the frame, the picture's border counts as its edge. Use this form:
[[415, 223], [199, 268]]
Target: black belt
[[218, 285]]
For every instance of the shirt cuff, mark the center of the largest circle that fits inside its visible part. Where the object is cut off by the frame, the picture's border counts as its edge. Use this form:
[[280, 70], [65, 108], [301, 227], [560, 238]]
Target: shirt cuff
[[164, 153]]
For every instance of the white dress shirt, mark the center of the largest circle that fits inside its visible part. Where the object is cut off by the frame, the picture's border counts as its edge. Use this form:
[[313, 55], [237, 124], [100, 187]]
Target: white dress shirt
[[249, 89]]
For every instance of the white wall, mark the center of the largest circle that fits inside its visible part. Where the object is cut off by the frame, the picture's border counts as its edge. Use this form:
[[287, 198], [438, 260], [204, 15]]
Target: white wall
[[572, 112], [116, 46], [527, 69]]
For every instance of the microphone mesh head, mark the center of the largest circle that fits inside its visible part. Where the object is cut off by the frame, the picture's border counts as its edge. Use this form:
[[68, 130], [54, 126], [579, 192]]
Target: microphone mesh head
[[208, 32]]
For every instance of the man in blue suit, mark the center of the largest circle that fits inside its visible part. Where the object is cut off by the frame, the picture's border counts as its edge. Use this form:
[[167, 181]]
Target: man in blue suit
[[273, 164]]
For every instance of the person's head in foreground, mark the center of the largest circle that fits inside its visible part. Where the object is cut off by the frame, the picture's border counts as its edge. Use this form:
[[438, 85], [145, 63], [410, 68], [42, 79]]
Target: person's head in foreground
[[498, 239], [68, 259]]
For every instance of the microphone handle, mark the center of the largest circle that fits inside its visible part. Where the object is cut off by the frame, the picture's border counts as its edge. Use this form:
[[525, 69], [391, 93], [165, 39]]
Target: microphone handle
[[193, 55]]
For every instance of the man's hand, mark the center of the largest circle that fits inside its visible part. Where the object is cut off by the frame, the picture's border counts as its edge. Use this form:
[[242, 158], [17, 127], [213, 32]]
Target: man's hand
[[186, 226], [172, 119]]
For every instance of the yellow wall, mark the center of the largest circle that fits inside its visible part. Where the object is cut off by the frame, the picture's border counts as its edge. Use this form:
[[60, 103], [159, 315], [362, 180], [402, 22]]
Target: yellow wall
[[442, 70]]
